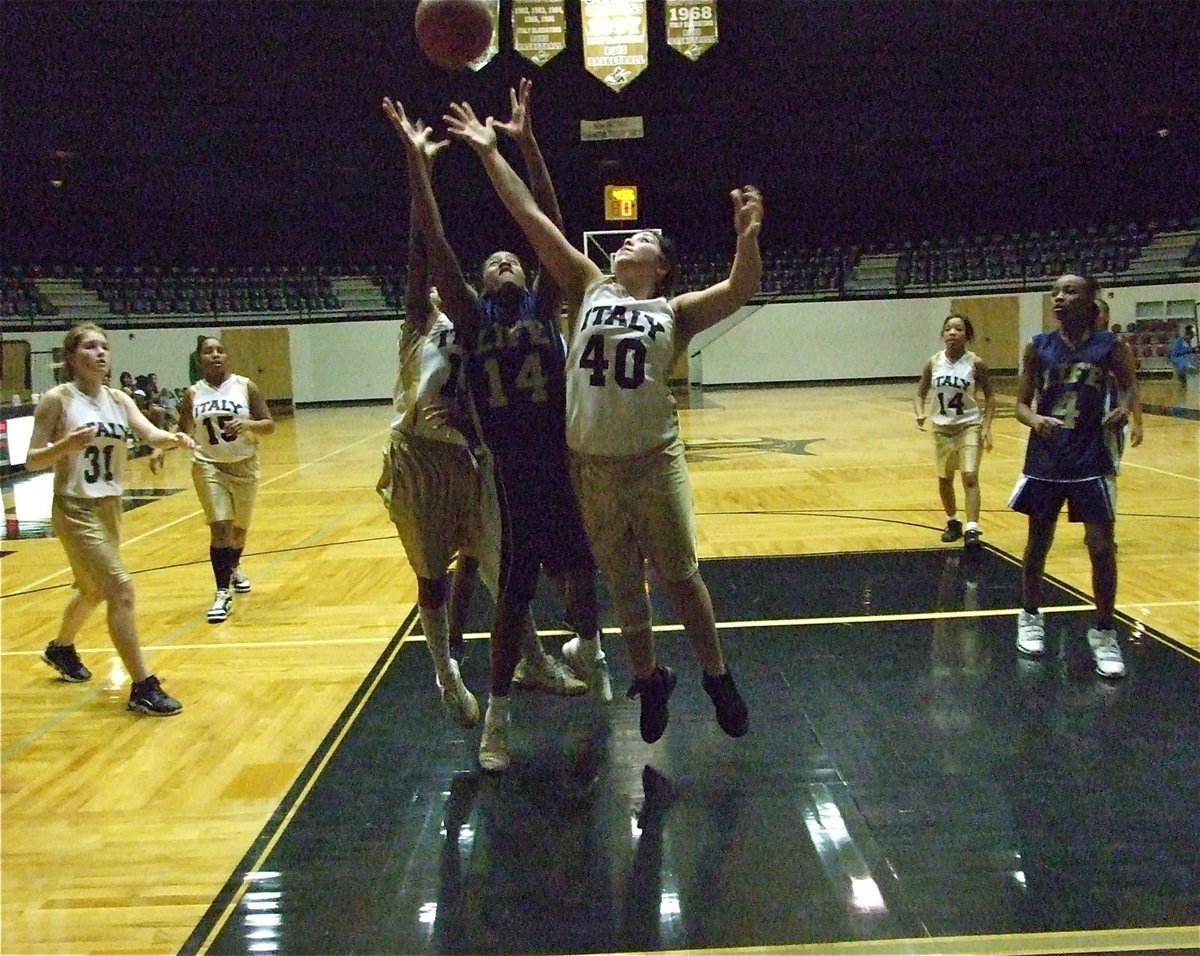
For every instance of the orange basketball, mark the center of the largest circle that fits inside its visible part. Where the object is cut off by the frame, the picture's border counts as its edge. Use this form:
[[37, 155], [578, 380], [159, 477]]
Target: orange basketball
[[453, 33]]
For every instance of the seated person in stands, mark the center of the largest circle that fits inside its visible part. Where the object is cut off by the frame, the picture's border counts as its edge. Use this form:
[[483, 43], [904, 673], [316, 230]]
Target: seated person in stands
[[163, 402], [141, 395]]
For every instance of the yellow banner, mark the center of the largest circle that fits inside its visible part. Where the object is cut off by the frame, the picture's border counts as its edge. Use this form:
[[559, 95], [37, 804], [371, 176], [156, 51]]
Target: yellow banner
[[615, 46], [494, 43], [691, 26], [539, 29]]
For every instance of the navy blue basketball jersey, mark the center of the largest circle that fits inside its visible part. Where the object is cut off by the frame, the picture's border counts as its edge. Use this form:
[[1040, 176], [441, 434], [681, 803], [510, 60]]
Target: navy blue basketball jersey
[[1072, 386], [516, 372]]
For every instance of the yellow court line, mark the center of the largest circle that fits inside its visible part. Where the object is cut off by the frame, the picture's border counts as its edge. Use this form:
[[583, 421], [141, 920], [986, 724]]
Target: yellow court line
[[311, 782], [1127, 463], [657, 628], [1154, 938]]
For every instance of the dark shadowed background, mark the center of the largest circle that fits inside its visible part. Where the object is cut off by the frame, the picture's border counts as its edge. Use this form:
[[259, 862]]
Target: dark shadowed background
[[250, 132]]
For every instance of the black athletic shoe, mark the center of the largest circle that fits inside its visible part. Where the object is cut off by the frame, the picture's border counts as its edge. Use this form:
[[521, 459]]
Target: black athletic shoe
[[148, 697], [654, 691], [731, 709], [953, 531], [64, 659], [971, 540]]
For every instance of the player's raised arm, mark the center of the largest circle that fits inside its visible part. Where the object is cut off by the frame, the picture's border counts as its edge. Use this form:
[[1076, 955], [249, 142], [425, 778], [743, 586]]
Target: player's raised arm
[[571, 269], [457, 295], [703, 308]]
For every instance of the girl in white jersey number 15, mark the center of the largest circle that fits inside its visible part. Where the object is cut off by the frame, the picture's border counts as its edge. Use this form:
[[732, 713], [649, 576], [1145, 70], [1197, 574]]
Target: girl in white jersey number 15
[[225, 413], [80, 428], [961, 430]]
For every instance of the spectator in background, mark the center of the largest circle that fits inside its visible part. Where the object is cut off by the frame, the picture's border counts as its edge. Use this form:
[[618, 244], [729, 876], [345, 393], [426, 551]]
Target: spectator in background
[[163, 402], [1182, 346], [195, 368]]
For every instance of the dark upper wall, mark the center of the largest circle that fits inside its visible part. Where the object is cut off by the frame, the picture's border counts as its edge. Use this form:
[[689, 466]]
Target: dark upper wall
[[251, 130]]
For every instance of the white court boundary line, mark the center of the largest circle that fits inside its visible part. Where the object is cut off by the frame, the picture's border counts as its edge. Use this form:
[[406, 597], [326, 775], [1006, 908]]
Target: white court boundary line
[[33, 586]]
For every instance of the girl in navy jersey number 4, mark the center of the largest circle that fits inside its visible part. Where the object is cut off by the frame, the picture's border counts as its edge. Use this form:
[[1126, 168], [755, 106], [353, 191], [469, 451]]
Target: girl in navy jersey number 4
[[80, 429], [1062, 398]]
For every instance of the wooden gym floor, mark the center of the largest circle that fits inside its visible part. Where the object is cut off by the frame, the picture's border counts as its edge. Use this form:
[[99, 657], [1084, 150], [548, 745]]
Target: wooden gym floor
[[908, 786]]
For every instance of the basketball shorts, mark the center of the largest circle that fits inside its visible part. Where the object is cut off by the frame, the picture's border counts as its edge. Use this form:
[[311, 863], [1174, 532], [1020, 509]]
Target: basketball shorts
[[227, 489], [956, 448], [638, 508], [540, 522], [90, 532], [431, 490], [1090, 501]]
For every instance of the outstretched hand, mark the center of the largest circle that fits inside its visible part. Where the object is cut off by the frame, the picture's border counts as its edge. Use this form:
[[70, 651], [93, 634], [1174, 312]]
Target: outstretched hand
[[417, 137], [747, 211], [520, 124], [463, 124]]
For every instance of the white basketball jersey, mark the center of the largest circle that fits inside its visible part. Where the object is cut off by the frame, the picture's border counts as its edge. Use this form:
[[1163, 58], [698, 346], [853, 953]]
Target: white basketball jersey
[[954, 390], [429, 376], [619, 401], [212, 410], [97, 471]]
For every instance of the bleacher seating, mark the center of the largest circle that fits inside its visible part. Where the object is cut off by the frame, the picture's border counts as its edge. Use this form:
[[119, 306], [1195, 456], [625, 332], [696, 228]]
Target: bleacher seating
[[996, 262], [19, 296]]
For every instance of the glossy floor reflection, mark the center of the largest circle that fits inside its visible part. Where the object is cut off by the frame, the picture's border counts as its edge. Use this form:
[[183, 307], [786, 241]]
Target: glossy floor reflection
[[906, 777]]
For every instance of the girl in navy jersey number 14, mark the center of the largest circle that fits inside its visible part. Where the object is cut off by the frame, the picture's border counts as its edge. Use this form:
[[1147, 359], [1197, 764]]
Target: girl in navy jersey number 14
[[626, 454]]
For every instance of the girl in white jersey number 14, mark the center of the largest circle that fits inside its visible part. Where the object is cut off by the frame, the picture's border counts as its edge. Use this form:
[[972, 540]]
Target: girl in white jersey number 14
[[961, 430]]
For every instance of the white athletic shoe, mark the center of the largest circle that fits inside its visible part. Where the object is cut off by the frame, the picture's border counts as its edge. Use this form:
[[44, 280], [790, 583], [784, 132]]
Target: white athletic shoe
[[1106, 652], [1031, 633], [222, 605], [546, 673], [240, 582], [587, 661], [493, 744], [459, 702]]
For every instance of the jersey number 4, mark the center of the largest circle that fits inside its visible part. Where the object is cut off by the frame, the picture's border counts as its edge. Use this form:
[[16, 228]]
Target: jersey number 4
[[956, 403], [628, 363]]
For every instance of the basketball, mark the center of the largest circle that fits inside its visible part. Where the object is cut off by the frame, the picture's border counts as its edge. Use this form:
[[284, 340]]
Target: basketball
[[453, 33]]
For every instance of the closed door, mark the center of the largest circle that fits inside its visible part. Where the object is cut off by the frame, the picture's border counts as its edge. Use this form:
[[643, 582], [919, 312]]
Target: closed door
[[264, 355], [997, 323]]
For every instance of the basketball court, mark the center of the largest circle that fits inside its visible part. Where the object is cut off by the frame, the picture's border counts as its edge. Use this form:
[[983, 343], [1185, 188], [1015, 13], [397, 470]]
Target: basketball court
[[909, 784]]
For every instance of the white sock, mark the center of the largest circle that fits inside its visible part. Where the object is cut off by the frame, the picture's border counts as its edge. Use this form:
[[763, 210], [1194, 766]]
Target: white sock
[[972, 525], [953, 517], [591, 646], [531, 644], [497, 710], [437, 639]]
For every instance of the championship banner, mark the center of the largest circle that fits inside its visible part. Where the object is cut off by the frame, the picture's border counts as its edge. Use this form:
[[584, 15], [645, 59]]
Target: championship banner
[[494, 43], [691, 26], [615, 46], [539, 29]]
